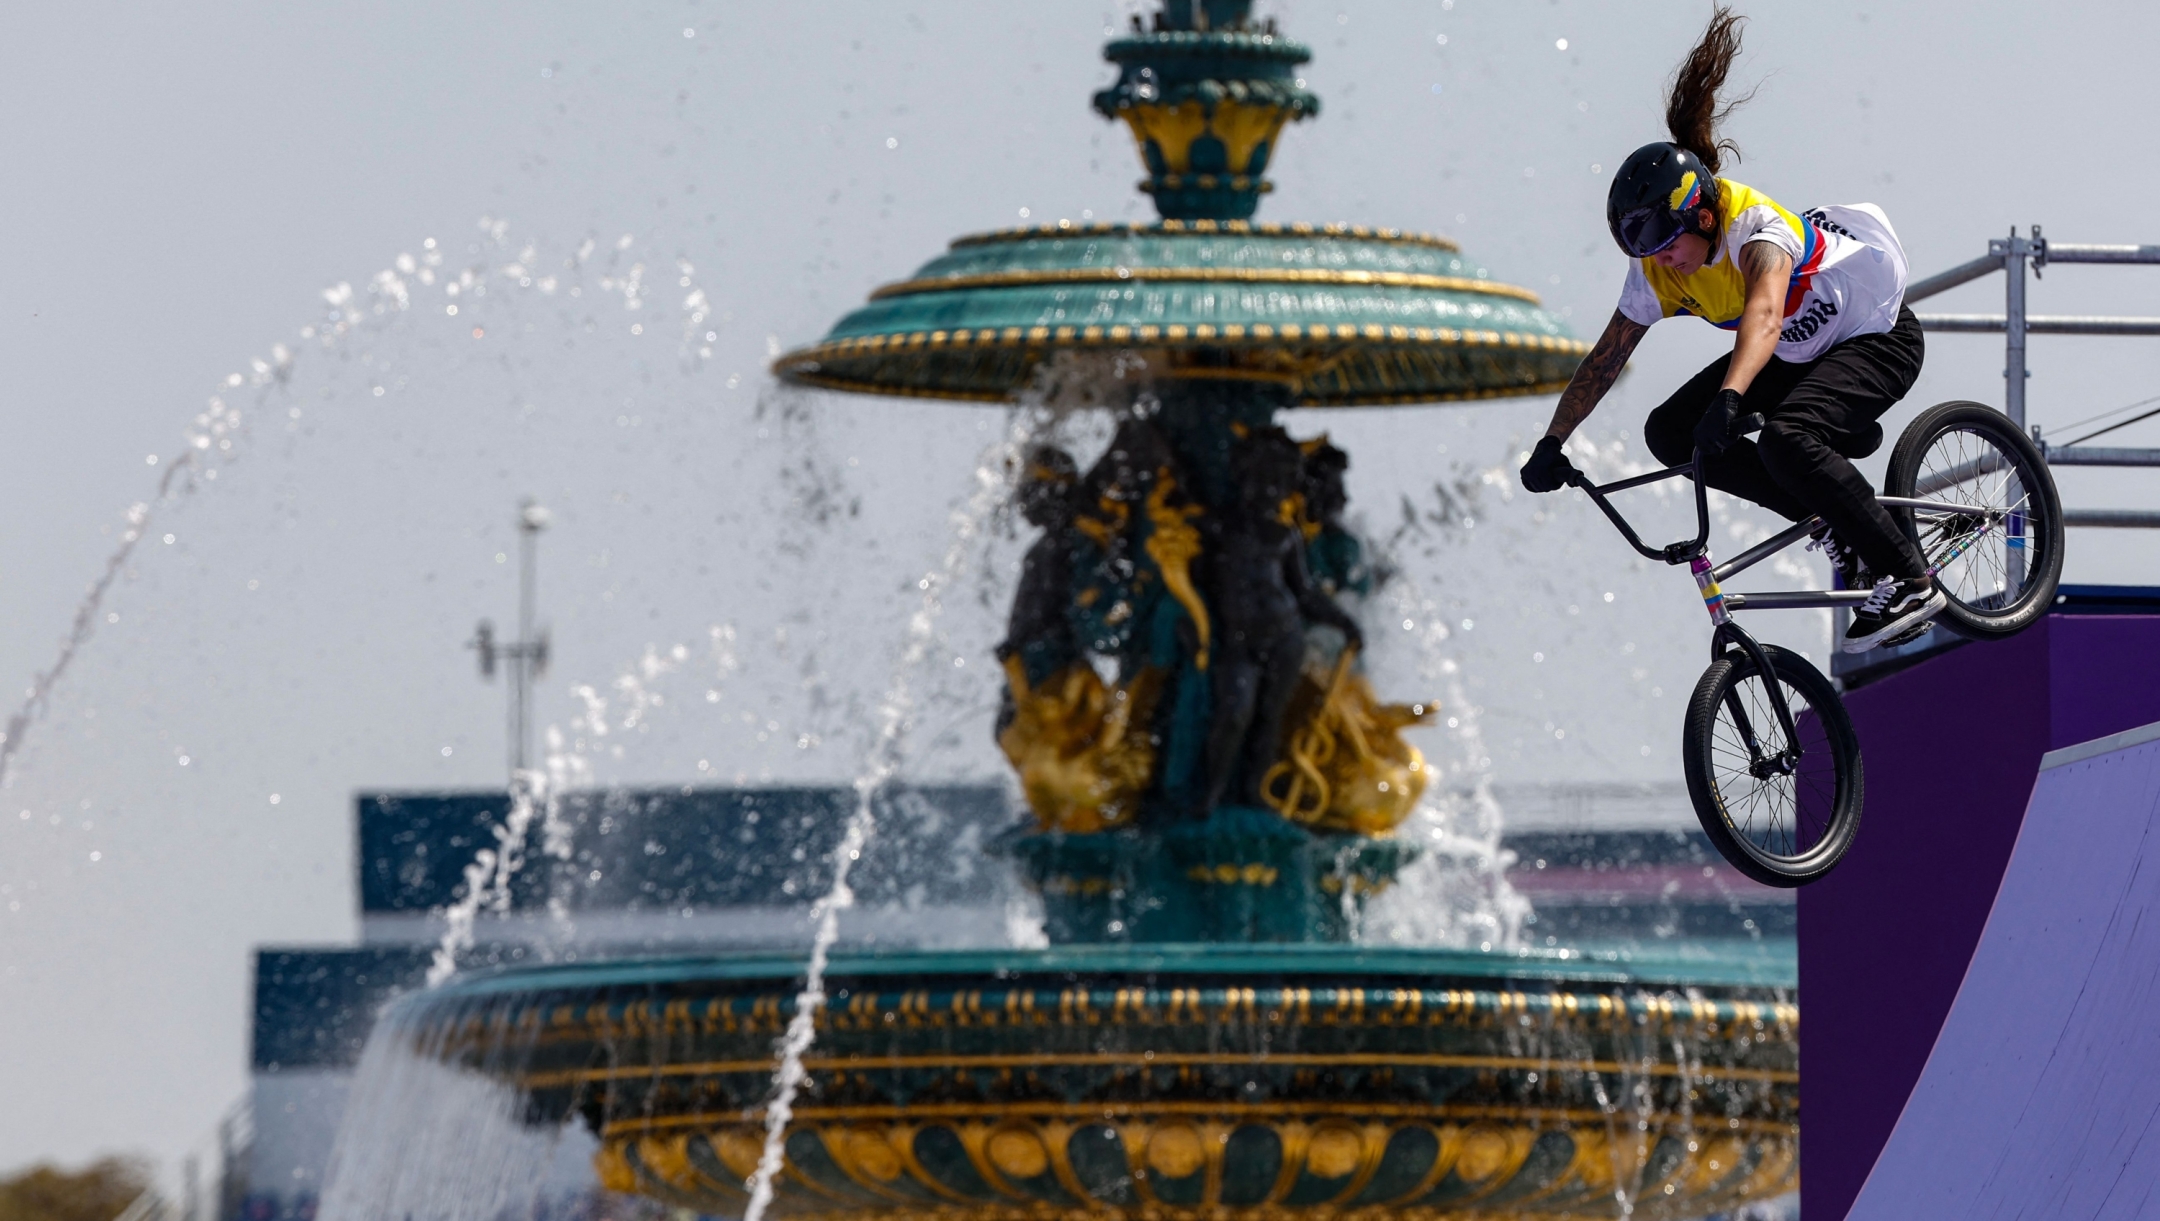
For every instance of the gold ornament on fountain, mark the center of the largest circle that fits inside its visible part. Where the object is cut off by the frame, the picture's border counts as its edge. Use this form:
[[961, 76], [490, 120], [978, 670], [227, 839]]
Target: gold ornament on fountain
[[1173, 545], [1345, 765], [1233, 131], [1081, 747]]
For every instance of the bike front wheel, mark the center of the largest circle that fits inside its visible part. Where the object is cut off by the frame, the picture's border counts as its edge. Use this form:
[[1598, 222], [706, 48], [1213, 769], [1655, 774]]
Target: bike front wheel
[[1782, 808], [1997, 542]]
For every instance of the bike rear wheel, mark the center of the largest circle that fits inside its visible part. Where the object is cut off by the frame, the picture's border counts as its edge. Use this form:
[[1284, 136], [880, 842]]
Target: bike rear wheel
[[1999, 562], [1782, 810]]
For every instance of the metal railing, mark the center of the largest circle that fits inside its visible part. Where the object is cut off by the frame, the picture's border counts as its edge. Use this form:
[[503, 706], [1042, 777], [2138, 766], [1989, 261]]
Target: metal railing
[[2013, 256]]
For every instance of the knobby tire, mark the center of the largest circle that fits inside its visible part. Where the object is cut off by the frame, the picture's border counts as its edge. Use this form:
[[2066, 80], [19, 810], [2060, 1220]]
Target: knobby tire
[[1781, 830], [2002, 584]]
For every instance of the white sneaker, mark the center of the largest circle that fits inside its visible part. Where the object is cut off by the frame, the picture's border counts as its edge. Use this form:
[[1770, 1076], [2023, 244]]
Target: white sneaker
[[1897, 611]]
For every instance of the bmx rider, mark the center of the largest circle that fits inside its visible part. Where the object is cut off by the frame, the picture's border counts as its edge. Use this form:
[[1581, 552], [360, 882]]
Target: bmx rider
[[1823, 344]]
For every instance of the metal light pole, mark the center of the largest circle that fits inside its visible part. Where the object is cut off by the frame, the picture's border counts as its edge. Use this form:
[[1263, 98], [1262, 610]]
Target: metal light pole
[[527, 656]]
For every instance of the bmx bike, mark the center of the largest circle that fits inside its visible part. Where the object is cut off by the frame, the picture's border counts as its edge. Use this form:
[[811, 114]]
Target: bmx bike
[[1773, 765]]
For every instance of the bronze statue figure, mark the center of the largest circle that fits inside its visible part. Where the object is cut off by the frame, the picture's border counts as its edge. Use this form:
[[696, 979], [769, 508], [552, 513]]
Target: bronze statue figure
[[1262, 599], [1039, 632], [1082, 748], [1334, 557]]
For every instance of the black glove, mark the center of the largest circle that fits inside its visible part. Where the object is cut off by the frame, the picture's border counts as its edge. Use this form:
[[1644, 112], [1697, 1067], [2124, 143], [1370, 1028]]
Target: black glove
[[1548, 469], [1714, 431]]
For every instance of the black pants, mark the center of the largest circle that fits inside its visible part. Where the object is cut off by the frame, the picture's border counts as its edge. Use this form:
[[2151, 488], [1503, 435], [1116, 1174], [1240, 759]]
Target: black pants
[[1818, 416]]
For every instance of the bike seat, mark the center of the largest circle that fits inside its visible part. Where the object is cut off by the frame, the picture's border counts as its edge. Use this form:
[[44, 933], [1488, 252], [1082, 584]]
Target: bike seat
[[1861, 443], [1853, 444]]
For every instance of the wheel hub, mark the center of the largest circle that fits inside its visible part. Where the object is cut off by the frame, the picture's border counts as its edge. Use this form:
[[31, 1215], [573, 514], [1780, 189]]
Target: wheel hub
[[1781, 764]]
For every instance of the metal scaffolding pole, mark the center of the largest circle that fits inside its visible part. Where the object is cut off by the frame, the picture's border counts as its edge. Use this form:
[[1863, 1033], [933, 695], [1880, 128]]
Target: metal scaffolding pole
[[2015, 252], [2012, 256], [2112, 519], [1944, 281], [2042, 324], [2069, 252]]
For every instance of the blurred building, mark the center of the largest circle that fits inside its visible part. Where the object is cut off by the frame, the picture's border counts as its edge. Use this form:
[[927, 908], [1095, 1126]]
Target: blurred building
[[1618, 863], [651, 872]]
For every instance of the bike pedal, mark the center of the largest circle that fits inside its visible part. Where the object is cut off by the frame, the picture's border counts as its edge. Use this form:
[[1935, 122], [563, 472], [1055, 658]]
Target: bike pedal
[[1906, 637]]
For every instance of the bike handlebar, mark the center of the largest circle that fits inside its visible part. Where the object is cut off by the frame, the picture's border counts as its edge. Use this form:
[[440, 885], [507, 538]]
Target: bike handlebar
[[1672, 553]]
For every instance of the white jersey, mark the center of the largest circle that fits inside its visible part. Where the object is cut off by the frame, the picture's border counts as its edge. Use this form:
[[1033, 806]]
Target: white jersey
[[1848, 273]]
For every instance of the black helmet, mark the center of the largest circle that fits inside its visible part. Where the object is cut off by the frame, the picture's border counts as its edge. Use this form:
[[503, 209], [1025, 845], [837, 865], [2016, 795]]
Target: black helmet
[[1654, 198]]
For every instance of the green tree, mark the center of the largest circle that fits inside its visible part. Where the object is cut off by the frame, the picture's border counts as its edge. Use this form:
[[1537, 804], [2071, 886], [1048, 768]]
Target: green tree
[[97, 1192]]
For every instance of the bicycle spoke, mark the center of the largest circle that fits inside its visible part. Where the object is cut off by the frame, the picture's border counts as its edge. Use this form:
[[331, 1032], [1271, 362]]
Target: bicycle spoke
[[1766, 714], [1964, 468], [1781, 814]]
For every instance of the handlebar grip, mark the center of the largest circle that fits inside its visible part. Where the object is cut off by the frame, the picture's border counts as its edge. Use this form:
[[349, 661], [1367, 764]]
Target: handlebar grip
[[1751, 422]]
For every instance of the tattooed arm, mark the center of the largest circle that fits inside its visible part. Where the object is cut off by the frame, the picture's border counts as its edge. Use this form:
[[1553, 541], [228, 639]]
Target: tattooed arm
[[1768, 272], [1595, 375]]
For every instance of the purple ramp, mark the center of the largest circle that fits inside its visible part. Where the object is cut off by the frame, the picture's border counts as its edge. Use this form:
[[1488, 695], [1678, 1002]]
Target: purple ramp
[[1951, 747], [2041, 1098]]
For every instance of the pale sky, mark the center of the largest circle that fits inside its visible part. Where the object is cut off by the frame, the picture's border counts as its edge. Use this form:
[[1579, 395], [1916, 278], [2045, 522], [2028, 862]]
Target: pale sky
[[185, 183]]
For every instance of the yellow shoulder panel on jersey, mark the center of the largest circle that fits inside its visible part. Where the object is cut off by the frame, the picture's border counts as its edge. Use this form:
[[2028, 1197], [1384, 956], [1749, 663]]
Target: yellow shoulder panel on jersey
[[1717, 293]]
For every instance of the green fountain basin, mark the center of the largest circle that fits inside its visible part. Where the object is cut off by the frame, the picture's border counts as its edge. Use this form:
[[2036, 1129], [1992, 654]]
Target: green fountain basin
[[1171, 1082], [1340, 315]]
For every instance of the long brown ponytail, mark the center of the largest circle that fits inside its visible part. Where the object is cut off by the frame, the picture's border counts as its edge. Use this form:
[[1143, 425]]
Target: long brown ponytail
[[1692, 113]]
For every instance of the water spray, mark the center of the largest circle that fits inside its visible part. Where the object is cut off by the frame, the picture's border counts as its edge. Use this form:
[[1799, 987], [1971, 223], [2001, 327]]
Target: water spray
[[990, 491]]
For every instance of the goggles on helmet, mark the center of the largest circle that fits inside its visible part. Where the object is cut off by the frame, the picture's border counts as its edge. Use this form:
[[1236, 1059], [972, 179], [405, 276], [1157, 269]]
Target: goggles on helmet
[[1646, 231]]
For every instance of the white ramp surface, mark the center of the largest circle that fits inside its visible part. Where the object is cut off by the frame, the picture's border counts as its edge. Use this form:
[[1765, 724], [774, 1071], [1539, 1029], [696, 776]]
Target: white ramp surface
[[2042, 1096]]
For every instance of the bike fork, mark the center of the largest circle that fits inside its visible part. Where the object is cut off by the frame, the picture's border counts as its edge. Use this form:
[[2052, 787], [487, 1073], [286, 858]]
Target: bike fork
[[1726, 632]]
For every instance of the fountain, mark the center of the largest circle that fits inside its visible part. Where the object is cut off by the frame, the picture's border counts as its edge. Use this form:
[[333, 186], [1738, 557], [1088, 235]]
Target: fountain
[[1214, 784]]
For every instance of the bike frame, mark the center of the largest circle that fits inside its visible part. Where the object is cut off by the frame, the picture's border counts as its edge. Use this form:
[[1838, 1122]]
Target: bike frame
[[1710, 578]]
